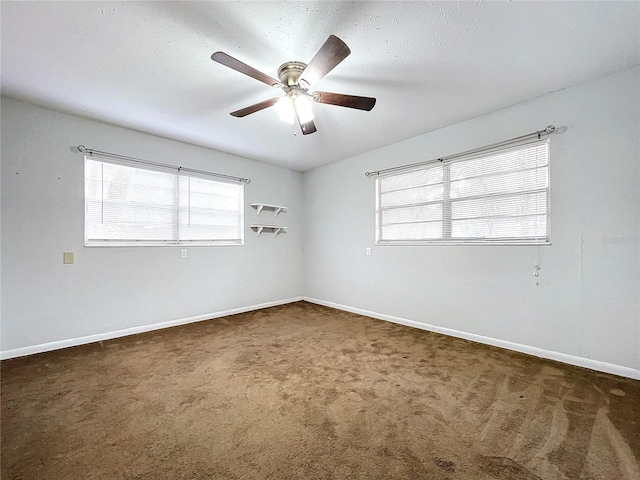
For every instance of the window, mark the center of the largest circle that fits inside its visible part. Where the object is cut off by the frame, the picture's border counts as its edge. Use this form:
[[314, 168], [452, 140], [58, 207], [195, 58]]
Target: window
[[130, 204], [497, 197]]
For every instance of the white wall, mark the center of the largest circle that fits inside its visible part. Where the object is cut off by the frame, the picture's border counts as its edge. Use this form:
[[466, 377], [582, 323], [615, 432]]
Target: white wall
[[586, 309], [115, 289]]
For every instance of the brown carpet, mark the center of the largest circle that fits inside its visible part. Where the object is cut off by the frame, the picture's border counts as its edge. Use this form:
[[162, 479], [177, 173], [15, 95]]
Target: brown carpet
[[307, 392]]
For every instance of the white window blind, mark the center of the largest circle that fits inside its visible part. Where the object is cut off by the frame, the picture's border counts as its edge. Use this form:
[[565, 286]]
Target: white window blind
[[499, 196], [127, 204], [209, 210]]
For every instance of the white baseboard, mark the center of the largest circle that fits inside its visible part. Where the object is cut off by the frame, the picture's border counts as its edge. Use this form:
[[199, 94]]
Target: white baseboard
[[72, 342], [538, 352]]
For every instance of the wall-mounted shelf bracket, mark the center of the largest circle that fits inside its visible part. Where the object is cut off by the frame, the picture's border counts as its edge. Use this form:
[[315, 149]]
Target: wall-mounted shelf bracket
[[276, 208], [275, 228]]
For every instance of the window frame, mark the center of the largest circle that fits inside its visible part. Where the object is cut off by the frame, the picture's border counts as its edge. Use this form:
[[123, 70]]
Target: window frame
[[446, 203], [169, 170]]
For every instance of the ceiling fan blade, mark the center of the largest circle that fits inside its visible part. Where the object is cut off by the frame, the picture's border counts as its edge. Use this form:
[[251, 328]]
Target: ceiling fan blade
[[243, 112], [350, 101], [306, 128], [330, 54], [237, 65]]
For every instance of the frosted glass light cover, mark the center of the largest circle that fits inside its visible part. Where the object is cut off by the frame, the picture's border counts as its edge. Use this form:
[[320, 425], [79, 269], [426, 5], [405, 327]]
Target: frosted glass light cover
[[304, 108], [285, 109]]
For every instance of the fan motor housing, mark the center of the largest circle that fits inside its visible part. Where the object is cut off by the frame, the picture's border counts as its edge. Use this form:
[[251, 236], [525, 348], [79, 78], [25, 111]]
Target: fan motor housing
[[289, 72]]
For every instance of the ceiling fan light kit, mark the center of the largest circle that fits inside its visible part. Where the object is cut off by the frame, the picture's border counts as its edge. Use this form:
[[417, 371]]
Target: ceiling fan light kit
[[295, 78], [294, 104]]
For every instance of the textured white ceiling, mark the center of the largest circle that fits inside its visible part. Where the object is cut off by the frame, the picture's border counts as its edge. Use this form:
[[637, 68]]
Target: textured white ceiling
[[147, 66]]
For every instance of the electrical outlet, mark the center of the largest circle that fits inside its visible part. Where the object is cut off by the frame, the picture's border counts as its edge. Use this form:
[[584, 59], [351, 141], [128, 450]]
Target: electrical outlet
[[368, 252], [183, 253]]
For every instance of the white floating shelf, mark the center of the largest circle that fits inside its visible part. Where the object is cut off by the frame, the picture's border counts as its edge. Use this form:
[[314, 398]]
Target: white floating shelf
[[275, 228], [276, 208]]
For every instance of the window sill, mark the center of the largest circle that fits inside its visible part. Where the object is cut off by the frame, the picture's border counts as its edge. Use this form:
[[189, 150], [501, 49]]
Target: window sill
[[477, 243], [164, 244]]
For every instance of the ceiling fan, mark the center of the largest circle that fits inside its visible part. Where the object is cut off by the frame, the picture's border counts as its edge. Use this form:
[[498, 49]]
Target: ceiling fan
[[295, 79]]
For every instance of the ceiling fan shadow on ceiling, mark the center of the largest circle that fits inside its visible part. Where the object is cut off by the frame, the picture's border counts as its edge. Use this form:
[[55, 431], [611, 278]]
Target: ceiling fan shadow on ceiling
[[295, 78]]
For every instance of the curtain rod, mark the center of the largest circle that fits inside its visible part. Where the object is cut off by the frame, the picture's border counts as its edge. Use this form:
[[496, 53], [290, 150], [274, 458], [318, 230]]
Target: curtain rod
[[547, 131], [91, 151]]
